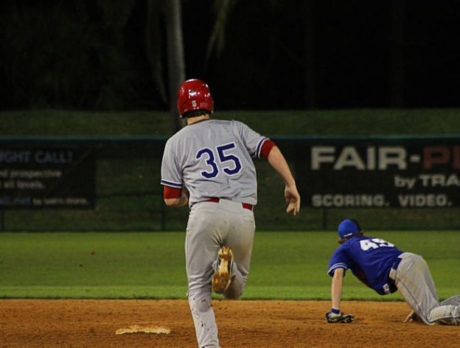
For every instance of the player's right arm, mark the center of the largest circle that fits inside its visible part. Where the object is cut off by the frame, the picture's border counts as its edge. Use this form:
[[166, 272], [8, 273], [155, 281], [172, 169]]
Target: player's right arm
[[174, 192], [338, 264], [174, 197], [335, 315], [336, 288]]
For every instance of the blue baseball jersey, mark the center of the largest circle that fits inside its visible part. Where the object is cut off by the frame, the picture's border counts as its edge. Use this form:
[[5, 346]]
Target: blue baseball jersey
[[369, 259]]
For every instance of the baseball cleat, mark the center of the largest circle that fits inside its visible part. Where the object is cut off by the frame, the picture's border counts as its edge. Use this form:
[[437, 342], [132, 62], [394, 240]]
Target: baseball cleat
[[222, 277]]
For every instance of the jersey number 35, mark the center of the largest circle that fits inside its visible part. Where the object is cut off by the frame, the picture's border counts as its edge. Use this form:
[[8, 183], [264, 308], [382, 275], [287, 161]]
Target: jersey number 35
[[229, 163]]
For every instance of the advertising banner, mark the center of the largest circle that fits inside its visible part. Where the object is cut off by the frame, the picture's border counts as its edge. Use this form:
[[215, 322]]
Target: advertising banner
[[36, 178], [395, 172]]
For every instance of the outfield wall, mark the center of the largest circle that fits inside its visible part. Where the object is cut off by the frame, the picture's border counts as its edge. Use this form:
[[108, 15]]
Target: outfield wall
[[112, 184]]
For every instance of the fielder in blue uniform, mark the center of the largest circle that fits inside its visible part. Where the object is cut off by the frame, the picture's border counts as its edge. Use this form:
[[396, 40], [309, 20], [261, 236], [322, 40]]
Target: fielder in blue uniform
[[384, 268]]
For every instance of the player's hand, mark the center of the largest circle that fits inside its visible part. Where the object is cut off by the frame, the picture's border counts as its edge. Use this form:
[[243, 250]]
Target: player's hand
[[332, 317], [292, 199]]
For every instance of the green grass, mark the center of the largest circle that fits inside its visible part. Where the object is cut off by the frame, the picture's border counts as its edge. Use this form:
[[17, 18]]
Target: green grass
[[285, 265]]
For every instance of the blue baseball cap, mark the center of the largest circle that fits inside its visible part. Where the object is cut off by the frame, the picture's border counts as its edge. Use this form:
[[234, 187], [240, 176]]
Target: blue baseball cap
[[347, 228]]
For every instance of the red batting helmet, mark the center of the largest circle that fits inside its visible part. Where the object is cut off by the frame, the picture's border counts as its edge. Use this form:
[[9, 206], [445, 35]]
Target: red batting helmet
[[194, 94]]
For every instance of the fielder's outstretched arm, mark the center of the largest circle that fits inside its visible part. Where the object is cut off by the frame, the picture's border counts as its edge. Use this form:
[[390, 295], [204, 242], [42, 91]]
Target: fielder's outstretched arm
[[336, 288], [335, 315], [278, 162]]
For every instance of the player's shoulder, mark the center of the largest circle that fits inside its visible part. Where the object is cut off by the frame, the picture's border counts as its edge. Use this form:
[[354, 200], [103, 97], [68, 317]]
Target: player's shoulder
[[175, 136], [240, 124]]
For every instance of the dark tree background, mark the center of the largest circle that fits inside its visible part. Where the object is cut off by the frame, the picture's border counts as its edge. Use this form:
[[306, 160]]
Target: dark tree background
[[275, 55]]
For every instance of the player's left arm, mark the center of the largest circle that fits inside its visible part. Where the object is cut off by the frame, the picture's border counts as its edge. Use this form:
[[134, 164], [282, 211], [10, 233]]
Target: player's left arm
[[278, 162], [259, 146]]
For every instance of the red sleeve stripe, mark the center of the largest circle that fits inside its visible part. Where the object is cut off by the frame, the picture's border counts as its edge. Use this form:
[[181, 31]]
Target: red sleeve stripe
[[266, 148], [171, 192]]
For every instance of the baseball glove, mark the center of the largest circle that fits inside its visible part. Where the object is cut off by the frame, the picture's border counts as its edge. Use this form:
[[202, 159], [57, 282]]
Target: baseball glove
[[339, 318]]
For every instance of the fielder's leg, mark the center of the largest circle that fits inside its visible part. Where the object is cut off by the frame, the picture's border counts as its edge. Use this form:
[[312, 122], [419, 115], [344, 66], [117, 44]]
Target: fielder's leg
[[454, 300], [414, 281], [448, 315]]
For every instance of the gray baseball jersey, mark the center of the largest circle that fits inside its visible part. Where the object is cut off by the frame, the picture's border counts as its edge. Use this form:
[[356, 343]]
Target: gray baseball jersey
[[212, 158]]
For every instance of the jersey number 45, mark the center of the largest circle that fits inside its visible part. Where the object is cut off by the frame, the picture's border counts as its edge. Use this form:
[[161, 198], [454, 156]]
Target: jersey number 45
[[374, 243]]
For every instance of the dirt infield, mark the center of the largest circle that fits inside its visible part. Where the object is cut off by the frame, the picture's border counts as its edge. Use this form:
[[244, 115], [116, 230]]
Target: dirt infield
[[94, 323]]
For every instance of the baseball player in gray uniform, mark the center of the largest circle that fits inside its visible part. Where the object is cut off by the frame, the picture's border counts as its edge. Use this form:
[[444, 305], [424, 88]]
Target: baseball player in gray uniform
[[208, 165]]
